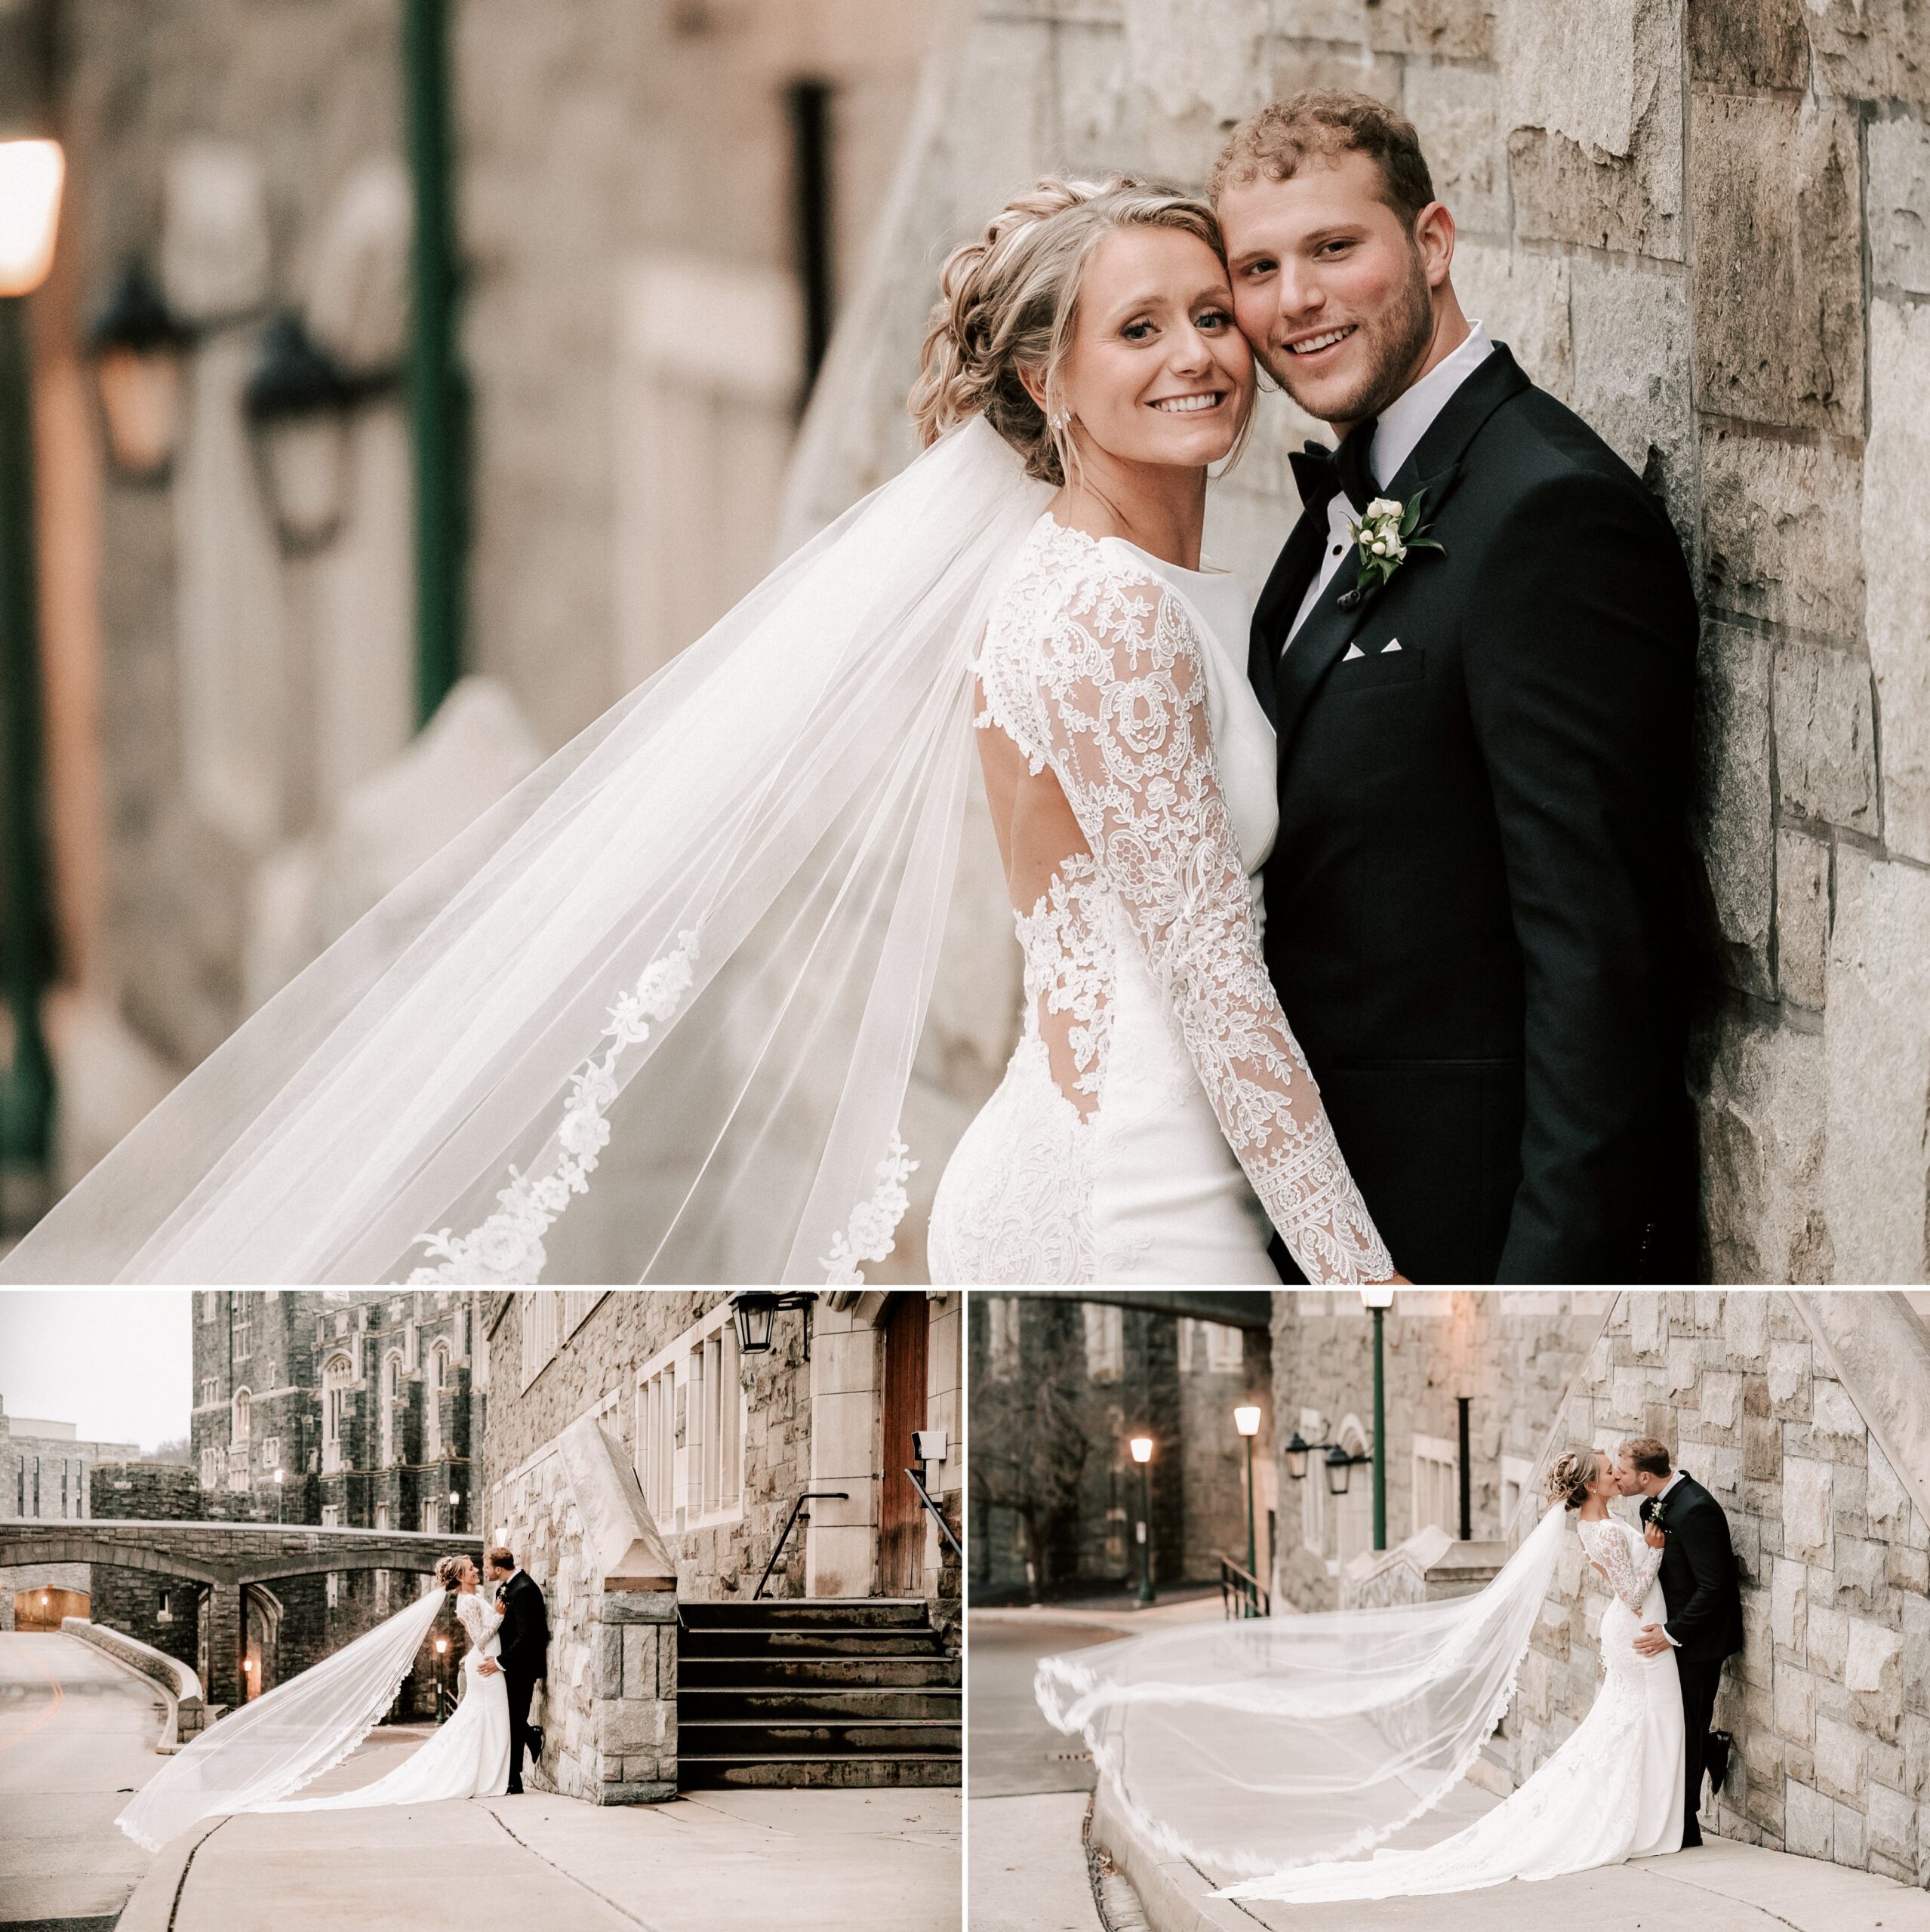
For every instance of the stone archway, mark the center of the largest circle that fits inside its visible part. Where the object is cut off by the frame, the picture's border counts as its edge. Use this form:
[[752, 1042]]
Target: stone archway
[[261, 1641], [42, 1606]]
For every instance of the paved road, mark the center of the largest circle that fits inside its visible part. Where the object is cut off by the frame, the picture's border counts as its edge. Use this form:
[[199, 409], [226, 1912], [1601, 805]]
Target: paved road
[[77, 1734]]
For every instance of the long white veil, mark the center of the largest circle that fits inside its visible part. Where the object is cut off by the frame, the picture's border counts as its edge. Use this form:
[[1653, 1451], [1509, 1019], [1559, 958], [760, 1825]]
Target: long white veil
[[1250, 1747], [694, 950], [287, 1737]]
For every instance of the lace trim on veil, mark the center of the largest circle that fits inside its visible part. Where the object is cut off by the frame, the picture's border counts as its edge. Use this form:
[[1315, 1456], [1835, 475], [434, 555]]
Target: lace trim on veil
[[505, 1251], [872, 1232]]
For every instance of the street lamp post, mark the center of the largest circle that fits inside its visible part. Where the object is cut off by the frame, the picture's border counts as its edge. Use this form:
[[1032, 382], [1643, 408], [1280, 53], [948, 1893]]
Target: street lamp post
[[1142, 1454], [30, 175], [1377, 1300], [1246, 1420], [281, 1476]]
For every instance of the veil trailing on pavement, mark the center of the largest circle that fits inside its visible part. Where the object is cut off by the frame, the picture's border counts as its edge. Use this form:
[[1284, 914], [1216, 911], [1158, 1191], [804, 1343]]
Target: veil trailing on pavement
[[695, 950], [1250, 1747], [287, 1737]]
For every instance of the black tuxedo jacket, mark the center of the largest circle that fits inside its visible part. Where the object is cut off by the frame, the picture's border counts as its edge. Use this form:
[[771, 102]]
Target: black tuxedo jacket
[[1475, 906], [524, 1638], [1699, 1582]]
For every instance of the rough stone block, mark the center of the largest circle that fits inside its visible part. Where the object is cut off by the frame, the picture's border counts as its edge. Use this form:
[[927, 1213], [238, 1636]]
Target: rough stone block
[[1592, 90], [639, 1659], [609, 1673], [1778, 307], [1746, 44], [1745, 1329], [1879, 47], [1840, 1755], [1323, 19], [1896, 537], [1451, 29], [1457, 111], [1907, 1569], [1826, 748], [1851, 1846], [1793, 1699], [1791, 1367], [1807, 1526], [1684, 1365], [1874, 1659], [1896, 194], [1789, 1603], [1781, 530], [1886, 1500], [1834, 1418], [1733, 800], [1722, 1398], [1878, 1053], [1809, 1820], [1892, 1820], [628, 1723], [1802, 918]]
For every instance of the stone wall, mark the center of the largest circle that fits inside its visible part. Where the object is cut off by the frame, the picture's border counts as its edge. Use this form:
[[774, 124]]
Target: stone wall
[[1514, 1354], [1700, 223], [161, 1611], [1829, 1701]]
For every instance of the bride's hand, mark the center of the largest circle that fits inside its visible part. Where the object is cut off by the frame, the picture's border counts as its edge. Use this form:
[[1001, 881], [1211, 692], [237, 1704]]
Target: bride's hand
[[1651, 1534]]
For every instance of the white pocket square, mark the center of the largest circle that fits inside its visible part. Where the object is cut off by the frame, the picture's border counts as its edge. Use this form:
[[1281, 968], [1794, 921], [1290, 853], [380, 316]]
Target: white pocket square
[[1392, 644], [1353, 652]]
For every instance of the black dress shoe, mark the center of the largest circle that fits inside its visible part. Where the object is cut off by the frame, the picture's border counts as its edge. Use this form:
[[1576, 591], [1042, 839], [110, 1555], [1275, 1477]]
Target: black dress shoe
[[1715, 1758], [514, 1791]]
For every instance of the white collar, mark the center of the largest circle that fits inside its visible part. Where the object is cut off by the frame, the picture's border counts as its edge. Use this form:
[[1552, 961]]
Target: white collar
[[1407, 419], [1669, 1485]]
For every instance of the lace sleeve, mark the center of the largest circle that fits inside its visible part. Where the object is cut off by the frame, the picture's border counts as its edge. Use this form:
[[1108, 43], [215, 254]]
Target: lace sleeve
[[1630, 1565], [1122, 702], [479, 1618]]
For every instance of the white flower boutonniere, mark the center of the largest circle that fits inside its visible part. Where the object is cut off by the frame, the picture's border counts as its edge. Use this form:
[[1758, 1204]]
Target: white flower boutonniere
[[1388, 531]]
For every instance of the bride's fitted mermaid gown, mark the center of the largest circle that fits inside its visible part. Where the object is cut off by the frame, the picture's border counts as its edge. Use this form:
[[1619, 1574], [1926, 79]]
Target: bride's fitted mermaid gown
[[1157, 1111], [1612, 1791], [468, 1757]]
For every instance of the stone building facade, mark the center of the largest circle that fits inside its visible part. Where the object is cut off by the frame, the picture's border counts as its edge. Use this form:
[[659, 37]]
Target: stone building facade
[[1802, 1414], [1702, 223], [626, 1427], [1116, 1371], [46, 1474], [657, 212]]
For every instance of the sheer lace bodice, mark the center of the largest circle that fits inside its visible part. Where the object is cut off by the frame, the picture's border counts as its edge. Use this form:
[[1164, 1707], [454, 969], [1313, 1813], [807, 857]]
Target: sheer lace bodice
[[480, 1621], [1095, 670], [1623, 1556]]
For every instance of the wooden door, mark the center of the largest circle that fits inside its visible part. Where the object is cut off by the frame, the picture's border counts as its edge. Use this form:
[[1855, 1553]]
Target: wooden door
[[901, 1514], [43, 1609]]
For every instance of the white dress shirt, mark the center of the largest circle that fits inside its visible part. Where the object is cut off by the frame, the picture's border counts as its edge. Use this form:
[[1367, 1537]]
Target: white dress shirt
[[1402, 424]]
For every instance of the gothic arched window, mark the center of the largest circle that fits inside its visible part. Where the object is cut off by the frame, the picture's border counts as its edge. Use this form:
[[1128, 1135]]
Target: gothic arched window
[[338, 1373], [391, 1388], [241, 1420], [439, 1380]]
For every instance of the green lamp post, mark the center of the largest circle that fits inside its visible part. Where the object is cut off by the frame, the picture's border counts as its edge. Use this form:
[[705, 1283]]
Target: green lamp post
[[1377, 1300], [31, 176], [1246, 1420], [1142, 1454]]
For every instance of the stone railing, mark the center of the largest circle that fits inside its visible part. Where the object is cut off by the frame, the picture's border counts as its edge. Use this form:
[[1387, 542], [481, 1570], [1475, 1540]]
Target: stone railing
[[1429, 1565], [188, 1713]]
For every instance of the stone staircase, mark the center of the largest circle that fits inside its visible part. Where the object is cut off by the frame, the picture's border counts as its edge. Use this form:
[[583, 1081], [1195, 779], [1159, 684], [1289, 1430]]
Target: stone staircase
[[816, 1690]]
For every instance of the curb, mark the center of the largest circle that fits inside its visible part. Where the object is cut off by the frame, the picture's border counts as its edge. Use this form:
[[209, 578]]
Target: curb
[[152, 1905], [1172, 1893]]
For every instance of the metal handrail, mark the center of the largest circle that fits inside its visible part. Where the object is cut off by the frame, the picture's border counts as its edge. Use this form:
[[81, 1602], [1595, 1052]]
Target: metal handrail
[[1240, 1587], [938, 1516], [809, 1496]]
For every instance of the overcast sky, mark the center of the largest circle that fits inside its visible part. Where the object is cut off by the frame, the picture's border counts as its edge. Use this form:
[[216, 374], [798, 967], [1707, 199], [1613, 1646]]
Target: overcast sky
[[118, 1363]]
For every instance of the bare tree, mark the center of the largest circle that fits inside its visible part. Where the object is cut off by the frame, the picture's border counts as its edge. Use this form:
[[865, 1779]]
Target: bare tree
[[1028, 1451]]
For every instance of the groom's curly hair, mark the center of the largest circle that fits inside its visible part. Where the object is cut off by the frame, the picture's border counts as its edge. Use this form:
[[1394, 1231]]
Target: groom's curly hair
[[1320, 124], [1648, 1454]]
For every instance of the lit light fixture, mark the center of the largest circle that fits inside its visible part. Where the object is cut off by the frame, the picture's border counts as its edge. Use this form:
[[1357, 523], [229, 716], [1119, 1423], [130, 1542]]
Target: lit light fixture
[[248, 1663], [1246, 1418], [280, 1475], [31, 174], [455, 1498], [1377, 1294], [297, 402], [1142, 1448], [44, 1600], [137, 344], [441, 1644]]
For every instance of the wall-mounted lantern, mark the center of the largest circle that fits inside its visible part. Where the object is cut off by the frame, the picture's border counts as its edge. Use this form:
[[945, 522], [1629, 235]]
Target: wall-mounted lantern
[[298, 401], [756, 1311], [138, 343]]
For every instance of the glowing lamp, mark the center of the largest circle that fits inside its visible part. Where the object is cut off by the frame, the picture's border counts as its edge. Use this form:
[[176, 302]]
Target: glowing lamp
[[1142, 1448], [441, 1644], [1246, 1418], [31, 174], [1377, 1294]]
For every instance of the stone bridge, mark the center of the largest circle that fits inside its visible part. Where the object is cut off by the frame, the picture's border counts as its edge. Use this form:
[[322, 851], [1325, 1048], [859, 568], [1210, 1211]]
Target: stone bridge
[[227, 1557]]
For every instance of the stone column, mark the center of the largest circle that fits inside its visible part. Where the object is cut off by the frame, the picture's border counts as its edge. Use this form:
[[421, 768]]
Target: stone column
[[634, 1713], [223, 1610]]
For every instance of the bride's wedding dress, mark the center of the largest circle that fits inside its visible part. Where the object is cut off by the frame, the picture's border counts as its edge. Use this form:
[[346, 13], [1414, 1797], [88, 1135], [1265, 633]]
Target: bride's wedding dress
[[1613, 1791], [468, 1756], [1157, 1110]]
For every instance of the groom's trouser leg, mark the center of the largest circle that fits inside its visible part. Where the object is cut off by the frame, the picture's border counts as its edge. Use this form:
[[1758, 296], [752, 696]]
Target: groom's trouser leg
[[519, 1688], [1700, 1682]]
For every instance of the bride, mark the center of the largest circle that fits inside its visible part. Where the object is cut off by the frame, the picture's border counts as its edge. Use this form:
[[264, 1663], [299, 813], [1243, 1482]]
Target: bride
[[1392, 1706], [694, 953], [257, 1758]]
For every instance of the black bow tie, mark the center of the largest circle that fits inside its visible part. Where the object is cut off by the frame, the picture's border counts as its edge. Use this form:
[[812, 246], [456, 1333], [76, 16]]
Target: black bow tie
[[1321, 473]]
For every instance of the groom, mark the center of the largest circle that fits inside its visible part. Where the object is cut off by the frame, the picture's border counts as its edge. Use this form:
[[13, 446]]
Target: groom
[[1704, 1604], [1474, 905], [524, 1646]]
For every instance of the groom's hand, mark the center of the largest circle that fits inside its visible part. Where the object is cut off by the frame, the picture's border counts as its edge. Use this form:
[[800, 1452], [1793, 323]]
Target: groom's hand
[[489, 1667], [1651, 1643]]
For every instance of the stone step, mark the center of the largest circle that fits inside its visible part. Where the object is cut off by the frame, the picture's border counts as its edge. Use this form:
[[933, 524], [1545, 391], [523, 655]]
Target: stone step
[[697, 1672], [880, 1768], [809, 1613], [851, 1737], [736, 1640], [814, 1704]]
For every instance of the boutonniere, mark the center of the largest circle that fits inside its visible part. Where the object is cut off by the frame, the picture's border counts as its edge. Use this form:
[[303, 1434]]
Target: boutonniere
[[1385, 535]]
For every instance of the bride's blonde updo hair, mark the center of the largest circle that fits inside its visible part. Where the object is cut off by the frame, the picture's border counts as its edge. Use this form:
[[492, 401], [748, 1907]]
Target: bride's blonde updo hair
[[1569, 1476], [1008, 302], [449, 1572]]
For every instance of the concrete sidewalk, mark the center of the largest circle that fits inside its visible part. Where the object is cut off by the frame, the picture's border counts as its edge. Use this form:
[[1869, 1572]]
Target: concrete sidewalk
[[806, 1858]]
